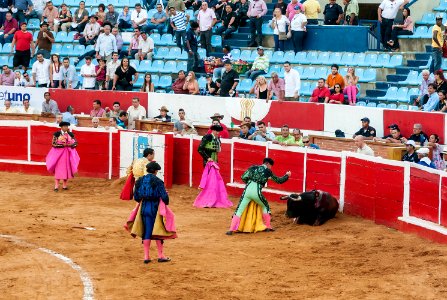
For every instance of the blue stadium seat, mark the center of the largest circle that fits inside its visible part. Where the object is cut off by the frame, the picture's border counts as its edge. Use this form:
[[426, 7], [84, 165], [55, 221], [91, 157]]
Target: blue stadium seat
[[403, 107], [35, 34], [202, 53], [320, 72], [391, 106], [57, 3], [202, 82], [191, 15], [6, 49], [402, 95], [360, 103], [78, 50], [156, 66], [412, 78], [277, 57], [391, 94], [181, 66], [413, 108], [323, 58], [371, 104], [395, 61], [442, 6], [156, 38], [134, 63], [182, 55], [61, 37], [216, 41], [444, 64], [266, 29], [301, 58], [162, 53], [67, 50], [166, 40], [244, 85], [344, 71], [427, 19], [347, 59], [3, 60], [70, 37], [382, 60], [308, 73], [290, 57], [305, 89], [245, 55], [412, 92], [381, 105], [155, 79], [370, 60], [89, 48], [235, 54], [335, 58], [273, 68], [300, 70], [428, 34], [420, 32], [312, 58], [139, 83], [427, 66], [151, 13], [165, 81], [359, 59], [33, 24], [267, 53], [253, 55], [144, 66], [56, 49], [169, 67], [369, 75]]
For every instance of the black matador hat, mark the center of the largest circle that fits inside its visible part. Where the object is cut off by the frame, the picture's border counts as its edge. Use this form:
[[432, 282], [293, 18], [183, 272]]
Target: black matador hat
[[63, 123]]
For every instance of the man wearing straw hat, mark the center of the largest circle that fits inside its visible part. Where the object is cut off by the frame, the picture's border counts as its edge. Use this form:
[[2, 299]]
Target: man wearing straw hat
[[163, 116], [188, 128]]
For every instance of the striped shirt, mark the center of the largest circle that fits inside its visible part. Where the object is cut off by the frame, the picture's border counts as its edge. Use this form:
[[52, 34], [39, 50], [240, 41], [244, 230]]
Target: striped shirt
[[261, 63], [179, 21]]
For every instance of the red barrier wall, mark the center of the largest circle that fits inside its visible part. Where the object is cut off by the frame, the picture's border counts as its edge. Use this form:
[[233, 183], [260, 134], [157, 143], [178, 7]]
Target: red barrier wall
[[424, 195], [323, 173], [181, 161], [246, 155], [305, 115], [287, 161], [431, 122], [444, 201], [14, 143], [82, 100]]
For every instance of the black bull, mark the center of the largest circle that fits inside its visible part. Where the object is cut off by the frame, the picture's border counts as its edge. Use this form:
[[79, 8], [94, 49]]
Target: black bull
[[312, 208]]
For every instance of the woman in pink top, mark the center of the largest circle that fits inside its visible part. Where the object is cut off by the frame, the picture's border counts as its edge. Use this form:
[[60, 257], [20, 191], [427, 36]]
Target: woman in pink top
[[191, 84], [351, 90], [405, 29]]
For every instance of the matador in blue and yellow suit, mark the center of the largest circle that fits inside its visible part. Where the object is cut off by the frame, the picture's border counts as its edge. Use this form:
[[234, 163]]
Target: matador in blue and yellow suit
[[256, 177]]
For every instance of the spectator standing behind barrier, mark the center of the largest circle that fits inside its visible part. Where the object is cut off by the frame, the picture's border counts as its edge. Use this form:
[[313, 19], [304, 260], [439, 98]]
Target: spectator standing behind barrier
[[163, 116], [101, 71], [260, 65], [63, 21], [49, 14], [292, 83], [49, 106], [41, 71], [436, 44], [260, 88], [7, 76], [256, 10], [351, 13], [106, 44], [335, 78], [285, 139], [282, 6], [276, 88], [69, 116], [387, 12], [433, 99], [125, 76], [410, 155], [230, 79], [157, 21], [393, 137], [115, 112], [311, 9], [112, 65], [124, 20], [89, 74], [333, 13], [80, 18], [437, 160], [279, 23], [262, 134], [424, 160], [178, 126], [9, 27], [138, 17], [206, 19], [368, 132], [320, 93], [69, 75], [55, 72], [148, 85], [298, 137], [177, 85], [26, 108], [405, 29], [24, 47], [192, 47], [178, 24], [362, 147], [135, 112], [298, 26], [8, 109], [45, 40], [97, 110], [418, 136], [350, 89]]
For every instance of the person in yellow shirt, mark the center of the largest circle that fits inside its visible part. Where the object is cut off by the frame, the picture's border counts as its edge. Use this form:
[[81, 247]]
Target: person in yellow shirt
[[436, 42], [311, 10], [8, 109]]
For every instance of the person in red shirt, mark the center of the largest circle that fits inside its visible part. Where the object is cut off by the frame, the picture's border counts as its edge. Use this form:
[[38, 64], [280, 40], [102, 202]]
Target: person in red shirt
[[321, 93], [217, 118], [177, 86], [24, 47], [9, 27], [337, 97]]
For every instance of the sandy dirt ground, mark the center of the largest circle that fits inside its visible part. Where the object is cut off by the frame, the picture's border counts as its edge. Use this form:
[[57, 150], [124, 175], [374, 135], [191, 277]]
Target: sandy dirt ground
[[347, 258]]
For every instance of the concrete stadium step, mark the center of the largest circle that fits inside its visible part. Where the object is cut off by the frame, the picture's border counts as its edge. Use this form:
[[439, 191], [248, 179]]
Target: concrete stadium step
[[394, 78], [416, 63], [244, 30], [241, 36], [382, 85], [423, 56], [375, 93], [404, 70], [234, 43]]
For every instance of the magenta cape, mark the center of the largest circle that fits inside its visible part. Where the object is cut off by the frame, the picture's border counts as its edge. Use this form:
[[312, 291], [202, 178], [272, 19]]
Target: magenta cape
[[62, 162], [214, 193]]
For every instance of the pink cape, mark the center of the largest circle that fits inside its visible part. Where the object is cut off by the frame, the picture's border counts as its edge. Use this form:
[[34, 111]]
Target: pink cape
[[214, 193], [62, 162]]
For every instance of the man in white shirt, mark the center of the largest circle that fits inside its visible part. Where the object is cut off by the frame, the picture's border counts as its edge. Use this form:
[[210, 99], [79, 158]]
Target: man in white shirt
[[111, 68], [105, 44], [206, 19], [145, 47], [89, 74], [69, 75], [135, 112], [26, 108], [41, 71], [138, 17], [386, 12], [362, 147], [8, 109], [292, 83]]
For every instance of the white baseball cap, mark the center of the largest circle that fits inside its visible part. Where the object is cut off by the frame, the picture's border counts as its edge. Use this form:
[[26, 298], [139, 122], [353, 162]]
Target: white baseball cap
[[411, 142], [423, 151]]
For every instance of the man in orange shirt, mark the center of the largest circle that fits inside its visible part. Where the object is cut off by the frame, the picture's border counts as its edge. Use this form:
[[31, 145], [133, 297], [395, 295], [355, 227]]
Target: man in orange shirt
[[334, 78]]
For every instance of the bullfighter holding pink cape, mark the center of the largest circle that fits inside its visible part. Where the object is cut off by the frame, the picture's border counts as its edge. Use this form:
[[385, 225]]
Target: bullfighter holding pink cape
[[213, 193], [63, 159]]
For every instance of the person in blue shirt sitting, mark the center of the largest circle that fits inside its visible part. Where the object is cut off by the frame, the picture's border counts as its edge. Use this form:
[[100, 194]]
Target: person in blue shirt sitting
[[423, 158], [121, 120], [433, 99]]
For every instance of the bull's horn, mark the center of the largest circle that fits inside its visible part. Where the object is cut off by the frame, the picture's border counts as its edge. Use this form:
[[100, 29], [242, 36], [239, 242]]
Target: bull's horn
[[285, 197], [296, 199]]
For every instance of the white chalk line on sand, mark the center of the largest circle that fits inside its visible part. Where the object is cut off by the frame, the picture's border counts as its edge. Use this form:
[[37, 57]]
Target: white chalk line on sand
[[85, 278]]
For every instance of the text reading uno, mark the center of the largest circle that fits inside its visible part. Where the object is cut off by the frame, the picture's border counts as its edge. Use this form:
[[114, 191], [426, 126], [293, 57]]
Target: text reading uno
[[14, 96]]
